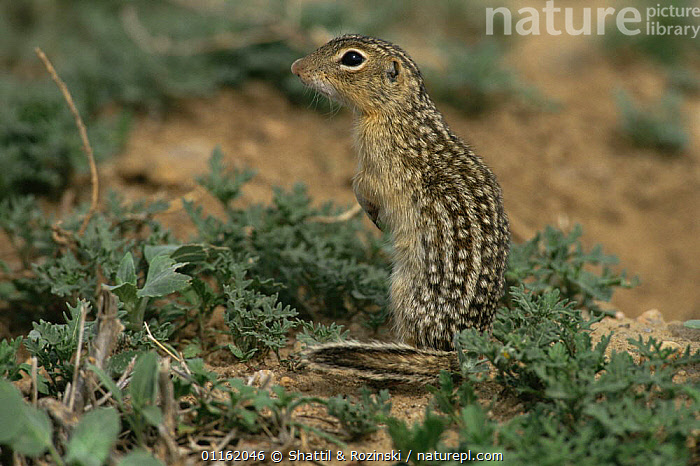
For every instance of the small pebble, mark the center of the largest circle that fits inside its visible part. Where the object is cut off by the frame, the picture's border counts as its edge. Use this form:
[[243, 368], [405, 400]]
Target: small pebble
[[651, 317], [676, 347], [262, 379], [670, 344], [286, 382]]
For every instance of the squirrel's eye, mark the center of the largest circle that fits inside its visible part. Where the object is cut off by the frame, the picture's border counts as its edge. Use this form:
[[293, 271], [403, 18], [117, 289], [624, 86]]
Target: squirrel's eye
[[352, 58]]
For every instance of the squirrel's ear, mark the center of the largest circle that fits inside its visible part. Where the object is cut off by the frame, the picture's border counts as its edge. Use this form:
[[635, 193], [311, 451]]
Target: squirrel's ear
[[392, 70]]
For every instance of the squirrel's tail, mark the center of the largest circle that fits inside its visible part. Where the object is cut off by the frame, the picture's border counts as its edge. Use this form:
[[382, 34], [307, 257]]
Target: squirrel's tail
[[386, 362]]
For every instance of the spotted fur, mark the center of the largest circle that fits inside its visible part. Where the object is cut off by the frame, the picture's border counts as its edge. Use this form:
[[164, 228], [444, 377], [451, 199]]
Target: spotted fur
[[422, 183]]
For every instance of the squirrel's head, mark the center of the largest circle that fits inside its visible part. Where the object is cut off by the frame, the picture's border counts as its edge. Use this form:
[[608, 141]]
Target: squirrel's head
[[372, 75]]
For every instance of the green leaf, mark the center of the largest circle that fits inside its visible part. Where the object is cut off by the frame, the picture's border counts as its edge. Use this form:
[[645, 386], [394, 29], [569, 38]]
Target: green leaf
[[153, 415], [93, 437], [139, 458], [222, 183], [692, 324], [41, 384], [119, 362], [162, 279], [126, 292], [127, 270], [26, 429], [11, 403], [34, 438], [192, 350], [186, 253], [475, 425], [237, 352], [151, 252], [143, 383], [199, 371], [420, 437], [190, 253]]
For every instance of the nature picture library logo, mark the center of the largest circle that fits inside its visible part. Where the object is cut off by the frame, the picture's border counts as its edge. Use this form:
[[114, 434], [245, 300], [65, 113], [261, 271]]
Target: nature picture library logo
[[662, 19]]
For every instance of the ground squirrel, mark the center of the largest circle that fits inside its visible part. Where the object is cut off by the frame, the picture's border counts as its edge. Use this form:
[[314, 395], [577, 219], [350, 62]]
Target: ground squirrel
[[440, 202]]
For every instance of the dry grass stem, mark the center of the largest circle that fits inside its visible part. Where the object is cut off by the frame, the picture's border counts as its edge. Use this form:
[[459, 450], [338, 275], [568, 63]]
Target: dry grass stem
[[35, 387], [83, 135], [78, 351], [344, 217], [161, 345]]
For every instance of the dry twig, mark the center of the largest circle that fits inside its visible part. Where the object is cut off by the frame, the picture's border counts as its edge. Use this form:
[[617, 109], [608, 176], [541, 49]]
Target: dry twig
[[35, 387], [108, 328], [344, 217], [61, 236], [83, 135], [227, 438], [161, 345], [166, 429], [121, 383], [78, 351]]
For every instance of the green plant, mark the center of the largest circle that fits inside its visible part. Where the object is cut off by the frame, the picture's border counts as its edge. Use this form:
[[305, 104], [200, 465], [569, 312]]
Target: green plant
[[476, 78], [103, 62], [554, 260], [25, 428], [9, 368], [693, 323], [65, 266], [39, 147], [93, 437], [28, 431], [27, 228], [421, 437], [258, 322], [223, 404], [54, 345], [361, 417], [161, 280], [337, 267], [319, 333], [137, 55], [448, 398], [581, 404], [658, 125], [658, 38], [260, 263], [531, 341], [243, 408]]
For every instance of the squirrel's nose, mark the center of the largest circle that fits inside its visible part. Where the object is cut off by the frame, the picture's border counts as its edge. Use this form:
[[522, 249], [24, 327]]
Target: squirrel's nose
[[296, 66]]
